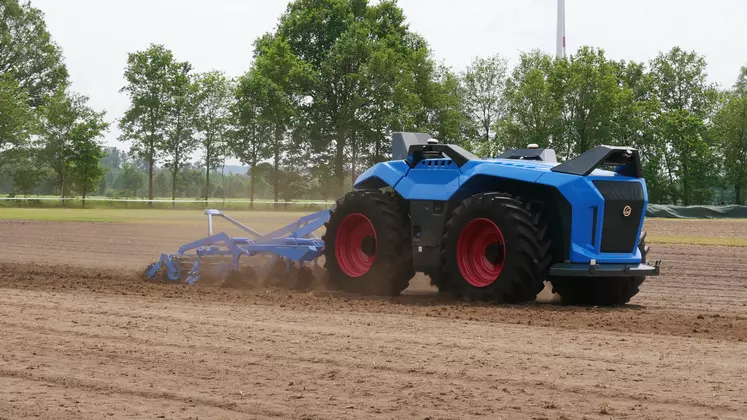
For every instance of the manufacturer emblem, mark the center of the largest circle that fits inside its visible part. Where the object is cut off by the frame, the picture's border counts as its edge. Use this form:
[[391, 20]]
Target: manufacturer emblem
[[626, 211]]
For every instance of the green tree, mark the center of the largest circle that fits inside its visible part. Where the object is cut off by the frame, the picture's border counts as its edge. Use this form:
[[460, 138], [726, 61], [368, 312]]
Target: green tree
[[483, 83], [443, 108], [249, 140], [730, 132], [131, 179], [16, 118], [148, 86], [59, 116], [161, 184], [27, 170], [679, 84], [276, 74], [179, 140], [333, 43], [533, 109], [212, 119], [27, 52], [594, 100], [86, 152]]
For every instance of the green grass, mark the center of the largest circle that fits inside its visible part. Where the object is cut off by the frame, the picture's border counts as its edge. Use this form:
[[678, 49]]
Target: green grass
[[90, 215], [697, 240], [232, 205], [143, 216]]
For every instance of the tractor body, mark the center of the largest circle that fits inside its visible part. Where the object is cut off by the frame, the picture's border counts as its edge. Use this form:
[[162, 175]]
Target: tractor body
[[575, 224]]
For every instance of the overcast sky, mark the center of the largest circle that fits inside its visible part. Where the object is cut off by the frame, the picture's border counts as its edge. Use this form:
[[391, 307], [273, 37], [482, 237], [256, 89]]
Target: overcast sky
[[96, 35]]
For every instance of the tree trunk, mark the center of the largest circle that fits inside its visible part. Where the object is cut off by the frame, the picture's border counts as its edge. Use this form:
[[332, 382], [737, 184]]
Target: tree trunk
[[253, 173], [276, 163], [207, 173], [738, 193], [62, 184], [377, 148], [85, 186], [353, 156], [150, 182], [223, 181], [339, 160], [173, 187], [685, 184]]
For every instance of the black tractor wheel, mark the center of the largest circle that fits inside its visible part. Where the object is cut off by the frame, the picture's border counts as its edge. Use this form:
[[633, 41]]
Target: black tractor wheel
[[367, 244], [494, 250], [600, 291]]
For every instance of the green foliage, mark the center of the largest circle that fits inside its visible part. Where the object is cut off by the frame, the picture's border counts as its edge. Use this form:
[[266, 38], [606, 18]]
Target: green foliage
[[679, 84], [729, 131], [212, 118], [356, 72], [131, 180], [250, 139], [443, 106], [594, 101], [27, 171], [533, 113], [148, 86], [27, 53], [180, 139], [16, 117], [67, 121], [484, 82], [86, 152]]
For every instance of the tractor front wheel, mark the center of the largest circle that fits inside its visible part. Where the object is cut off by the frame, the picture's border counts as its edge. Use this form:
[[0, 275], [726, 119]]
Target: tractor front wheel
[[494, 250], [367, 246]]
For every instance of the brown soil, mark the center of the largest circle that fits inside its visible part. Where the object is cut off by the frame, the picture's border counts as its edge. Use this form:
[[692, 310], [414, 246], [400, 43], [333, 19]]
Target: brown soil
[[83, 336], [714, 228]]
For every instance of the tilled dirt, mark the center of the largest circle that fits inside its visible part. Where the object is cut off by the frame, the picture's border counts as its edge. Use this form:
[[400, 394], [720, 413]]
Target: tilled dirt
[[84, 336]]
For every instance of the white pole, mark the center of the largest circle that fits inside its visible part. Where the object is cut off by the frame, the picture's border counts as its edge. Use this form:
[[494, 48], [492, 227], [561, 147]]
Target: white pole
[[560, 52]]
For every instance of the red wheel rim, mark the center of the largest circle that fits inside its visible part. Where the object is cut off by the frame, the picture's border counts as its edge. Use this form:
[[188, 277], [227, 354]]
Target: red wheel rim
[[355, 245], [481, 252]]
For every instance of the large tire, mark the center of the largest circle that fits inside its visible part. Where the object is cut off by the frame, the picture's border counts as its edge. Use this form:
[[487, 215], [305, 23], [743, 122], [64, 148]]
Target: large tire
[[494, 250], [600, 291], [368, 245]]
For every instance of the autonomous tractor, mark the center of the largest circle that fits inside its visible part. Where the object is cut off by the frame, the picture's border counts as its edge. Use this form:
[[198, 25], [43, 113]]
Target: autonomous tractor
[[494, 229]]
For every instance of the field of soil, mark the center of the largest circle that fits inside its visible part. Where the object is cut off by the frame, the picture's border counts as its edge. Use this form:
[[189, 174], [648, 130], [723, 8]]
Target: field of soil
[[85, 337]]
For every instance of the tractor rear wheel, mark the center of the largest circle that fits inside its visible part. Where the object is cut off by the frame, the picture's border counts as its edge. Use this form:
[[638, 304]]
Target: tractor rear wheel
[[600, 291], [367, 244], [494, 249]]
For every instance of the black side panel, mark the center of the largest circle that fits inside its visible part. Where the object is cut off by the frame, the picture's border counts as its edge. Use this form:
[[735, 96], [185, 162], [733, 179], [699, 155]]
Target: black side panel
[[627, 160], [427, 219], [620, 224], [594, 219], [428, 151]]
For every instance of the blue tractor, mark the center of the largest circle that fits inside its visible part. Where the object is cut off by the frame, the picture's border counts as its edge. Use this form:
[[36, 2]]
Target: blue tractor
[[493, 229]]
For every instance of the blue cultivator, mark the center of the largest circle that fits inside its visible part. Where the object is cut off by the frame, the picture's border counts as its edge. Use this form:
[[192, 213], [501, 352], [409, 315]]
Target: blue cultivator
[[219, 255]]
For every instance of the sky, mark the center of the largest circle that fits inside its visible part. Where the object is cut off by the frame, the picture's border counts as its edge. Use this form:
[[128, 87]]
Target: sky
[[96, 35]]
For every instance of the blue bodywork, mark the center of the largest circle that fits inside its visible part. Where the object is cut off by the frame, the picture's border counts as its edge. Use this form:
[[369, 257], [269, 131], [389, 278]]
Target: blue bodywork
[[440, 179]]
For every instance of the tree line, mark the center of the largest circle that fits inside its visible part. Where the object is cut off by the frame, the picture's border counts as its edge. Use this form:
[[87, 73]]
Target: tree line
[[327, 87]]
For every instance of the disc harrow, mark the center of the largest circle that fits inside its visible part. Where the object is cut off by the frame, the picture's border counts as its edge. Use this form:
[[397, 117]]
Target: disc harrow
[[285, 257]]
